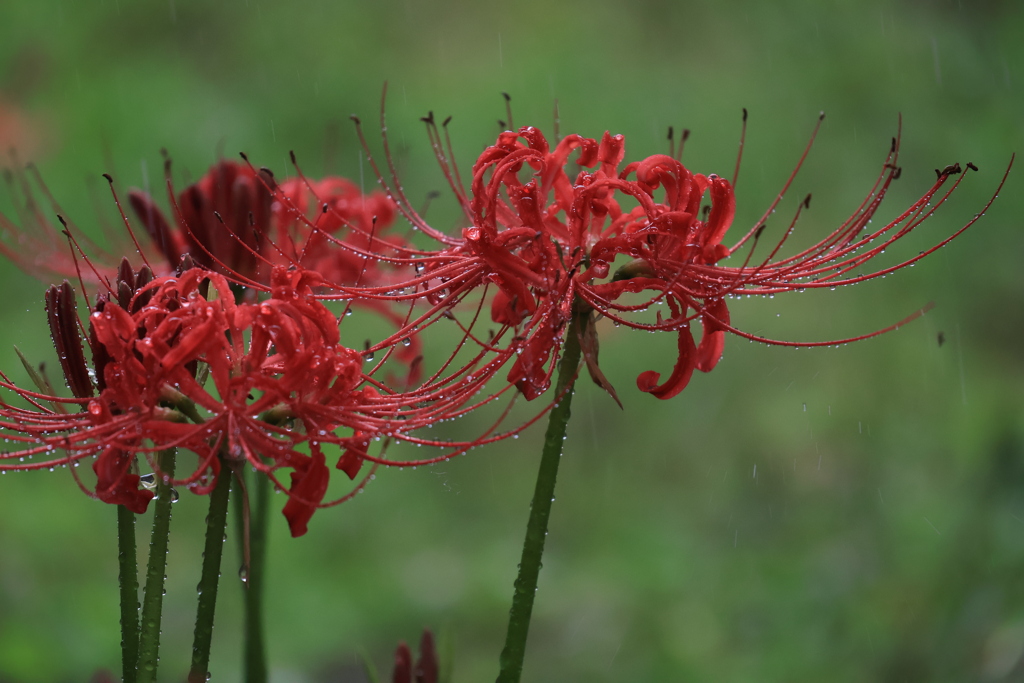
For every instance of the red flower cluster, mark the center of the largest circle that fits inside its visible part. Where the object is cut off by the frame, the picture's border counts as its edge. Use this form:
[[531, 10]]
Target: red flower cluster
[[547, 230], [237, 358], [274, 363]]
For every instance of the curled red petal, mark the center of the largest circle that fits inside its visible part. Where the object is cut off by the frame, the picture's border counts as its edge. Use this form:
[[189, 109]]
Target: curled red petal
[[681, 373]]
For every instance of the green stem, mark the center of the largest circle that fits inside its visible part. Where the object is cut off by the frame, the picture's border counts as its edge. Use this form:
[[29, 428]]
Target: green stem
[[128, 579], [216, 520], [152, 601], [540, 509], [254, 660]]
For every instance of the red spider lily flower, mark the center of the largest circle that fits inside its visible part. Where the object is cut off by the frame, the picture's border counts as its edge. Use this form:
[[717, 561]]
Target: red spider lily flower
[[278, 372], [222, 221], [291, 379], [239, 220], [236, 219], [281, 388], [546, 237]]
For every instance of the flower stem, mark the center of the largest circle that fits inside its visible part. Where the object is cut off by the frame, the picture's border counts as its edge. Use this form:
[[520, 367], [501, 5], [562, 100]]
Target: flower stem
[[254, 662], [152, 601], [540, 509], [216, 520], [128, 579]]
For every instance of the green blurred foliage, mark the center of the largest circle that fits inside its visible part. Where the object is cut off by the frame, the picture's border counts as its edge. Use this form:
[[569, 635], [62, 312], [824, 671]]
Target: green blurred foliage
[[852, 514]]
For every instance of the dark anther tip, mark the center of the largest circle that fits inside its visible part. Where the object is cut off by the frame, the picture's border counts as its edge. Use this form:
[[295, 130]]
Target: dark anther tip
[[63, 222], [242, 154], [355, 118], [807, 201], [446, 122], [745, 114], [508, 98], [109, 178], [291, 153], [971, 166]]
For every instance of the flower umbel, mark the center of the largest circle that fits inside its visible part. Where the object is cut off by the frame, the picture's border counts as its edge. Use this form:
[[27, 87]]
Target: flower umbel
[[281, 383], [553, 224]]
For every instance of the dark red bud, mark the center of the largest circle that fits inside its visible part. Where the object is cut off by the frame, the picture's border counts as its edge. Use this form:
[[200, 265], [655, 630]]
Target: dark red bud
[[427, 667], [62, 314]]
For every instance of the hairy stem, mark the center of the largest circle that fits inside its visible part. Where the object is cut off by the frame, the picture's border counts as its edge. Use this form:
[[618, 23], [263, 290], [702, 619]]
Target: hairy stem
[[128, 580], [540, 510], [216, 520], [153, 600]]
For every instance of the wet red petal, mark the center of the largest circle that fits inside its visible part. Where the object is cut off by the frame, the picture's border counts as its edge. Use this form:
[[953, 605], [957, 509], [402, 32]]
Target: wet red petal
[[681, 373], [115, 484], [309, 484], [709, 352]]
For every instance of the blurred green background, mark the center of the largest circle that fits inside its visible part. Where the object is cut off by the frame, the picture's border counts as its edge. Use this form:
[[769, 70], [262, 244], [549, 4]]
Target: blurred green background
[[852, 514]]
